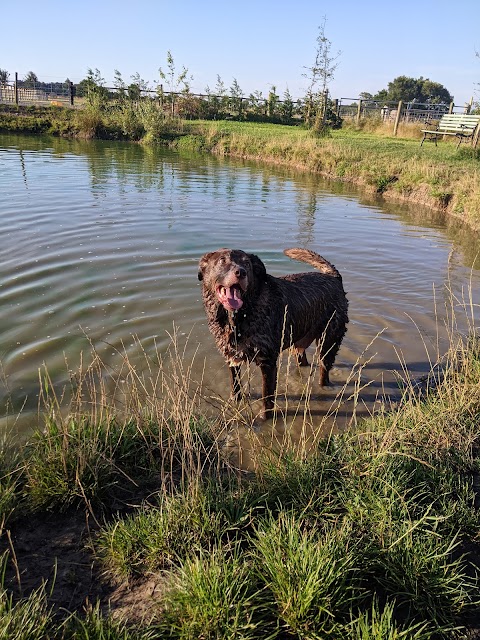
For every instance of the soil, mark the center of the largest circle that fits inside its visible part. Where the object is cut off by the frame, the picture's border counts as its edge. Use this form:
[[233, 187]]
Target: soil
[[55, 551]]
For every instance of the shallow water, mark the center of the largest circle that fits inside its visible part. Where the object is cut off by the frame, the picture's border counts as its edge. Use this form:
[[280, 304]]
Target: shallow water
[[100, 244]]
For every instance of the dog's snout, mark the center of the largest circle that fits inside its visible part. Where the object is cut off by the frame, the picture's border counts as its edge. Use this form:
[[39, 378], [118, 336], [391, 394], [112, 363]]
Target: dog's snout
[[240, 272]]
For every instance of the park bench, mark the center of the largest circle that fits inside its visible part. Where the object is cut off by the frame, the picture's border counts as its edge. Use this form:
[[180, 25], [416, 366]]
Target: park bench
[[463, 126]]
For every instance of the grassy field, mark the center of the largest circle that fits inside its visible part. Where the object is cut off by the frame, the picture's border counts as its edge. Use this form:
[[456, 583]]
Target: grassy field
[[136, 524]]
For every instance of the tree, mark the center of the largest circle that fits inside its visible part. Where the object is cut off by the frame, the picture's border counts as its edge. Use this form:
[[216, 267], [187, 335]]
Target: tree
[[272, 101], [257, 103], [286, 108], [93, 89], [236, 95], [477, 104], [434, 92], [218, 100], [119, 85], [177, 82], [319, 75], [408, 89], [30, 80], [381, 96], [136, 87], [4, 75]]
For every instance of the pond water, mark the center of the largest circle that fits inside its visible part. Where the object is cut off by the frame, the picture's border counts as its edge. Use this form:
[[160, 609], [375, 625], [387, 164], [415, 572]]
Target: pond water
[[100, 244]]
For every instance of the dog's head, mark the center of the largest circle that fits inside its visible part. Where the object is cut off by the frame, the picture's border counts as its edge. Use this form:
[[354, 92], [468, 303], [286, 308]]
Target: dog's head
[[231, 275]]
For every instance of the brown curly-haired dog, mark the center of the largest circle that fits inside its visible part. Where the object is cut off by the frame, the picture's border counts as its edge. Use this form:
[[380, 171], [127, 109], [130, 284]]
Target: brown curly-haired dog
[[254, 316]]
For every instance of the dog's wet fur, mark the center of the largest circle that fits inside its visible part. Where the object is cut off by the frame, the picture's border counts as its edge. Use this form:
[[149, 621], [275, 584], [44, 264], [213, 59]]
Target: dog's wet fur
[[253, 316]]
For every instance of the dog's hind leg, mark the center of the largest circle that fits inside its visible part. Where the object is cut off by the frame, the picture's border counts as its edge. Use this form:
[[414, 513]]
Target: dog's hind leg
[[328, 351], [235, 382]]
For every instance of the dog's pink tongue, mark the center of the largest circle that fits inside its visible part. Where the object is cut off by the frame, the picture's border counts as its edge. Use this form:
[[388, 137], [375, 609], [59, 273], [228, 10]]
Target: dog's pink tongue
[[231, 298]]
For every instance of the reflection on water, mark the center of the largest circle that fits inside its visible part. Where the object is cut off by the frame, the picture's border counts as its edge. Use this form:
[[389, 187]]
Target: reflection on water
[[100, 244]]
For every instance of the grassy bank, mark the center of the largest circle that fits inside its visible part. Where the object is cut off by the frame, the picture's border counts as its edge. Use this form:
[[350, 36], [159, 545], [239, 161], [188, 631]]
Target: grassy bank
[[372, 535], [395, 167]]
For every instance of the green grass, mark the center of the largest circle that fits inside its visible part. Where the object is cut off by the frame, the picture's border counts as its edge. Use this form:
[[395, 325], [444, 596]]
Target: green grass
[[215, 595]]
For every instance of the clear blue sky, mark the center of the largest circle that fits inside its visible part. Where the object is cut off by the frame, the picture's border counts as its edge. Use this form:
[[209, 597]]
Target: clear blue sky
[[259, 42]]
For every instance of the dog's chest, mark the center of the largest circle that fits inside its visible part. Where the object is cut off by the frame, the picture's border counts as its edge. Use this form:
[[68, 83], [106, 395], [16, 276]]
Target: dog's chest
[[239, 335], [246, 338]]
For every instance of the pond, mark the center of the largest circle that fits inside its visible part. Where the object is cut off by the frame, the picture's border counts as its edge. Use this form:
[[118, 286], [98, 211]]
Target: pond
[[100, 244]]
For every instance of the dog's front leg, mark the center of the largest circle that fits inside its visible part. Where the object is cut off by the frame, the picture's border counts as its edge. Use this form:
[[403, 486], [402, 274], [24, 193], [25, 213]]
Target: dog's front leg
[[235, 382], [269, 383]]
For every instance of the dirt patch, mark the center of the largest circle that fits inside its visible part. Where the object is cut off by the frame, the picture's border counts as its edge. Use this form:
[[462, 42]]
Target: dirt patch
[[55, 551]]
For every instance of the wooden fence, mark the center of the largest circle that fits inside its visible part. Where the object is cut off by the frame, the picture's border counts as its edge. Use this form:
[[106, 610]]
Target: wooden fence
[[18, 93]]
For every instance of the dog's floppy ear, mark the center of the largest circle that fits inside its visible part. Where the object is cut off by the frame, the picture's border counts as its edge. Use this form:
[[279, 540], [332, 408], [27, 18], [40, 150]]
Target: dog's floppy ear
[[259, 270], [202, 265]]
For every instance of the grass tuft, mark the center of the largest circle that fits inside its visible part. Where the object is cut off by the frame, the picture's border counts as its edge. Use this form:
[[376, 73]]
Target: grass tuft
[[215, 596]]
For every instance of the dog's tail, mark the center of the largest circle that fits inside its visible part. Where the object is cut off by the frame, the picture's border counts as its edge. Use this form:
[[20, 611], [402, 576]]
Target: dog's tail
[[316, 260]]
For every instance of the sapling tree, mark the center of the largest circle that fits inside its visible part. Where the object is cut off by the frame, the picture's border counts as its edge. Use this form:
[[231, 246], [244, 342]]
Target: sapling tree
[[176, 81], [119, 85], [286, 107], [136, 87], [257, 102], [93, 87], [477, 84], [272, 101], [319, 75], [221, 98], [236, 95]]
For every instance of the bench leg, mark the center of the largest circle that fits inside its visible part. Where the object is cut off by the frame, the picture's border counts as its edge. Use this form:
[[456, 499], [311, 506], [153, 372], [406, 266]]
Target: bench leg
[[433, 136]]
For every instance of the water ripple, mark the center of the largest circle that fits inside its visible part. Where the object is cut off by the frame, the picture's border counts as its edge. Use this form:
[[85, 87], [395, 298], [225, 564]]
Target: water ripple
[[100, 242]]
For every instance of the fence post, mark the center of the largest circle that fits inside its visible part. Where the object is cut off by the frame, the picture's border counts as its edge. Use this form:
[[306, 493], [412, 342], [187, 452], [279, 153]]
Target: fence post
[[71, 93], [16, 88], [397, 117], [160, 95], [336, 105], [450, 109], [359, 110]]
